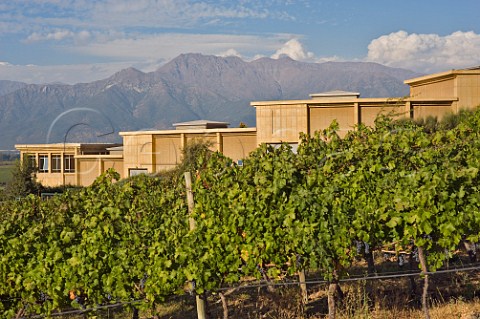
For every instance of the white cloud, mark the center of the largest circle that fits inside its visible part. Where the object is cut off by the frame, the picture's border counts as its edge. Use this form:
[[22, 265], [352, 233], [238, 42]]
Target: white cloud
[[148, 52], [295, 50], [173, 13], [426, 52], [230, 52], [29, 16], [56, 35], [68, 74], [169, 45], [334, 58]]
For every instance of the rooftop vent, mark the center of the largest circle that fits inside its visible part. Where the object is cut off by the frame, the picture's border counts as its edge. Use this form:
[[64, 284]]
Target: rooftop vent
[[335, 95], [200, 124]]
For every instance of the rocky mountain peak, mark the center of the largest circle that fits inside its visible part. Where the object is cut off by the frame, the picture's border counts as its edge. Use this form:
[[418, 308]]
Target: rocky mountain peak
[[189, 87]]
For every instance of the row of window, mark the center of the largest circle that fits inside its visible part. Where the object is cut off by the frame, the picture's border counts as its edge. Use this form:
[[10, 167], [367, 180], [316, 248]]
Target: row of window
[[56, 165]]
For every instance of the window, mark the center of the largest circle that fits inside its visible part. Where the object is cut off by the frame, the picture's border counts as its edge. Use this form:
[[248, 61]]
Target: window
[[31, 160], [56, 163], [43, 163], [68, 164], [137, 171]]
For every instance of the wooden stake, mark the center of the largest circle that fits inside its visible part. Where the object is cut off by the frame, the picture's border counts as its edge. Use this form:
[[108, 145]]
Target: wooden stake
[[201, 307], [190, 202], [303, 286], [423, 264]]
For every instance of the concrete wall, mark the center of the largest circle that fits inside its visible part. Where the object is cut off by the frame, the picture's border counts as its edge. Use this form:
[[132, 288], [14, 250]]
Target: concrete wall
[[438, 88], [468, 90], [92, 166], [322, 117], [432, 109], [368, 113], [158, 151], [168, 151], [137, 152], [277, 122], [238, 146]]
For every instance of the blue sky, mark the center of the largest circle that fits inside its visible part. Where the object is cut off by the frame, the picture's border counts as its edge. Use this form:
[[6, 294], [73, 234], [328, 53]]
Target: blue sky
[[75, 41]]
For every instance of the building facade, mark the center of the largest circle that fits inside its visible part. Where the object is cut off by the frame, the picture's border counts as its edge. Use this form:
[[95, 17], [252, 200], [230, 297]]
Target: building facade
[[64, 164], [277, 122], [156, 151]]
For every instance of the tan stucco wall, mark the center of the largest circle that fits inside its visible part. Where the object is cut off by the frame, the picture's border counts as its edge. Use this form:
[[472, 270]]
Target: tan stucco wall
[[159, 151], [281, 123], [137, 152], [50, 179], [238, 146], [88, 171], [116, 164], [468, 90], [322, 117], [368, 114], [168, 151], [443, 87], [432, 110]]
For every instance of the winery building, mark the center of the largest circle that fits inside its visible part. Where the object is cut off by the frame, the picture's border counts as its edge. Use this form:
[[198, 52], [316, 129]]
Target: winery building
[[277, 122]]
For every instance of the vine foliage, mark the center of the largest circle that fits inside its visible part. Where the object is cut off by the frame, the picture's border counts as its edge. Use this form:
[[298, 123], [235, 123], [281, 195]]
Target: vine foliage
[[278, 213]]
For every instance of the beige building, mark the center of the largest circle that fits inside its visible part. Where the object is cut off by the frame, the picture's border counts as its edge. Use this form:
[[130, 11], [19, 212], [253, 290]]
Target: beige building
[[460, 86], [142, 152], [156, 151], [432, 95], [277, 121], [63, 164]]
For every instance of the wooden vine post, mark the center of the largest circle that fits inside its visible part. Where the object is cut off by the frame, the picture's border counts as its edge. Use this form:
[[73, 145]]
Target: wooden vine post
[[302, 281], [303, 285], [423, 264], [201, 307]]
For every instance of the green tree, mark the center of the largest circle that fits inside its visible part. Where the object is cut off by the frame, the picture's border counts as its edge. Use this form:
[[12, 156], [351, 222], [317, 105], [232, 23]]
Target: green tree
[[22, 182]]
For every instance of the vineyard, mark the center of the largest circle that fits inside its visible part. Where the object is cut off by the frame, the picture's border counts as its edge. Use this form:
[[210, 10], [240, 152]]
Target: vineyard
[[278, 214]]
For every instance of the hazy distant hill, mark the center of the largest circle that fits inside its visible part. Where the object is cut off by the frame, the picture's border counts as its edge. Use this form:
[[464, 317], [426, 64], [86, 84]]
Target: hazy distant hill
[[190, 87], [10, 86]]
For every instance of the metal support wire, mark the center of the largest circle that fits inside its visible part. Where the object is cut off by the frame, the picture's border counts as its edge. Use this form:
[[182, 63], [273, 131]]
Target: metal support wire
[[262, 284]]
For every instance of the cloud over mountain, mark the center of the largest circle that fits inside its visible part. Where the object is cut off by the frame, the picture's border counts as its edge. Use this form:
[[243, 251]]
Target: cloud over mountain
[[426, 52]]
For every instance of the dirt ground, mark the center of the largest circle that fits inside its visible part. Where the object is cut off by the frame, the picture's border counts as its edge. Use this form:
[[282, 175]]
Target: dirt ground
[[451, 295]]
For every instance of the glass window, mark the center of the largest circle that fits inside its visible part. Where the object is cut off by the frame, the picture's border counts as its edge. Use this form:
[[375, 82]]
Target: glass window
[[56, 163], [43, 163], [31, 160], [68, 164], [137, 171]]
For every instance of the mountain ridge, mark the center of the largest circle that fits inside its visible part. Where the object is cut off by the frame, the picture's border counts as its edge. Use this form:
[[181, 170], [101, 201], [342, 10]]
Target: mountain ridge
[[189, 87]]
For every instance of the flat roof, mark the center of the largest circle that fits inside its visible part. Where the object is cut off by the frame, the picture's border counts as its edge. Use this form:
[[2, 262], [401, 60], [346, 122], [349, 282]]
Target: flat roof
[[329, 101], [200, 122], [445, 74], [191, 131], [69, 145], [342, 102], [335, 93]]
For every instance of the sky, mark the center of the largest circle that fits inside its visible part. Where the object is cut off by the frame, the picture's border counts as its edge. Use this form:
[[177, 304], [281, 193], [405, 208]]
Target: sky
[[73, 41]]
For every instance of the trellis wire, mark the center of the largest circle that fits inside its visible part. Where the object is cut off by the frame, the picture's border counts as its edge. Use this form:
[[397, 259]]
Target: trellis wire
[[263, 284]]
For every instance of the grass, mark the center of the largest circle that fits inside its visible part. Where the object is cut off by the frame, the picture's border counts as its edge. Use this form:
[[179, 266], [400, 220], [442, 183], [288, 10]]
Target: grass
[[5, 172]]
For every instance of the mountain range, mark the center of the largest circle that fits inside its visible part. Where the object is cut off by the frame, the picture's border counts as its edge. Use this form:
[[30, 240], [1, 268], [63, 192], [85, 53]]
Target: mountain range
[[189, 87]]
